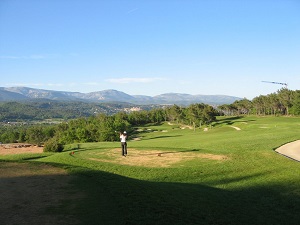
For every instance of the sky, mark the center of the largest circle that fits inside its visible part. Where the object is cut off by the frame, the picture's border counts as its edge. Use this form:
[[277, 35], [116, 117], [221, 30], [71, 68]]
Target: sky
[[151, 47]]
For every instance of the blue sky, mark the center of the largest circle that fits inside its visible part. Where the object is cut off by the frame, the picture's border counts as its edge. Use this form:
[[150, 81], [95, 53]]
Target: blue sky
[[151, 47]]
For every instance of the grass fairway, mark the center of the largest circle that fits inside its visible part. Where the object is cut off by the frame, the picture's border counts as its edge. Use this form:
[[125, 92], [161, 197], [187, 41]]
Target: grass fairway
[[229, 174]]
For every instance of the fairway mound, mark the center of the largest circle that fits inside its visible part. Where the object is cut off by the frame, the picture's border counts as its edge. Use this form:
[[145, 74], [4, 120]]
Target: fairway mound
[[29, 191], [153, 158], [19, 148], [291, 150]]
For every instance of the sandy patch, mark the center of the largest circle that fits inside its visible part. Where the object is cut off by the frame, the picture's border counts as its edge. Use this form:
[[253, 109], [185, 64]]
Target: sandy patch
[[186, 126], [152, 158], [136, 139], [9, 149], [291, 150], [29, 191], [182, 126], [237, 128]]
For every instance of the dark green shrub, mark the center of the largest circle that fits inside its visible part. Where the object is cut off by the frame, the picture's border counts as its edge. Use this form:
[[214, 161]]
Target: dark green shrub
[[52, 145]]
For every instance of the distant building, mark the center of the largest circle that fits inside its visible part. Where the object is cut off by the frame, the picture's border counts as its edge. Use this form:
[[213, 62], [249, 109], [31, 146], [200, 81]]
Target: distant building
[[132, 109]]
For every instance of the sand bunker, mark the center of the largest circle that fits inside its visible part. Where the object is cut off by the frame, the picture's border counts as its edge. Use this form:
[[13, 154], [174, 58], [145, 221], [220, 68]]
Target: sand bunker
[[291, 150], [237, 128], [152, 158]]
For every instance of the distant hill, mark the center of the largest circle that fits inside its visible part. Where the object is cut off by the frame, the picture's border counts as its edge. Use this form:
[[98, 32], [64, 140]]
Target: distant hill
[[11, 96], [25, 93]]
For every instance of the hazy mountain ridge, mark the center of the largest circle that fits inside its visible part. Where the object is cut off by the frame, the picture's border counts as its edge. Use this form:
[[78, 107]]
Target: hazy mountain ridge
[[23, 93], [11, 96]]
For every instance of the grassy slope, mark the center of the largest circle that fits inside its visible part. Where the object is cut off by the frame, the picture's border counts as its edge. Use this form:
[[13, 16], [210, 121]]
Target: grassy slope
[[255, 186]]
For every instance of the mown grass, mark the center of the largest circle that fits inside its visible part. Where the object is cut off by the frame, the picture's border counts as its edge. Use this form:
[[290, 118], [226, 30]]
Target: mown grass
[[255, 185]]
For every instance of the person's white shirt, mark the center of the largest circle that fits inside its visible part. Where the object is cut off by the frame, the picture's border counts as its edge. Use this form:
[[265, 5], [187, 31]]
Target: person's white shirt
[[123, 137]]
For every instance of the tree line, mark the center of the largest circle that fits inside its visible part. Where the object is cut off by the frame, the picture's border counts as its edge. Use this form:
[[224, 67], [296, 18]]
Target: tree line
[[283, 102], [102, 127]]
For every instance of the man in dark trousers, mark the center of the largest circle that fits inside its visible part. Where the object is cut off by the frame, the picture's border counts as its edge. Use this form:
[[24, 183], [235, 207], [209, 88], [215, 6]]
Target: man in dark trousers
[[123, 137]]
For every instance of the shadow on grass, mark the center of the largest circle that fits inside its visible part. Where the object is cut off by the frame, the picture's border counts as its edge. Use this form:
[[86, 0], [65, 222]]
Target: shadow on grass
[[231, 120], [35, 194], [164, 136], [111, 199], [74, 148]]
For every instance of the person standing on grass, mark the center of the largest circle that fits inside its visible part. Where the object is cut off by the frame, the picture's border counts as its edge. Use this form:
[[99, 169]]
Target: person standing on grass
[[123, 137]]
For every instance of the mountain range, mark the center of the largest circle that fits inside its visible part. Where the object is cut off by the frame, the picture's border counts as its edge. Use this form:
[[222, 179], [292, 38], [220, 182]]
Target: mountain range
[[26, 93]]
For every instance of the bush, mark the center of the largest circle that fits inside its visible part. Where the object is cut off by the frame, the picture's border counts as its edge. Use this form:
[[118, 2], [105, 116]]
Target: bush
[[52, 145]]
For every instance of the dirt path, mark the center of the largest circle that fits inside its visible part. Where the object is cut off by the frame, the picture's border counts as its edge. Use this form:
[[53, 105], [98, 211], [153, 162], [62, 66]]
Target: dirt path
[[291, 150], [34, 195], [9, 149]]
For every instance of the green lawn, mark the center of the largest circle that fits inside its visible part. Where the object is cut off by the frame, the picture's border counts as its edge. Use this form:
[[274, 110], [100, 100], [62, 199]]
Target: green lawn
[[251, 184]]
